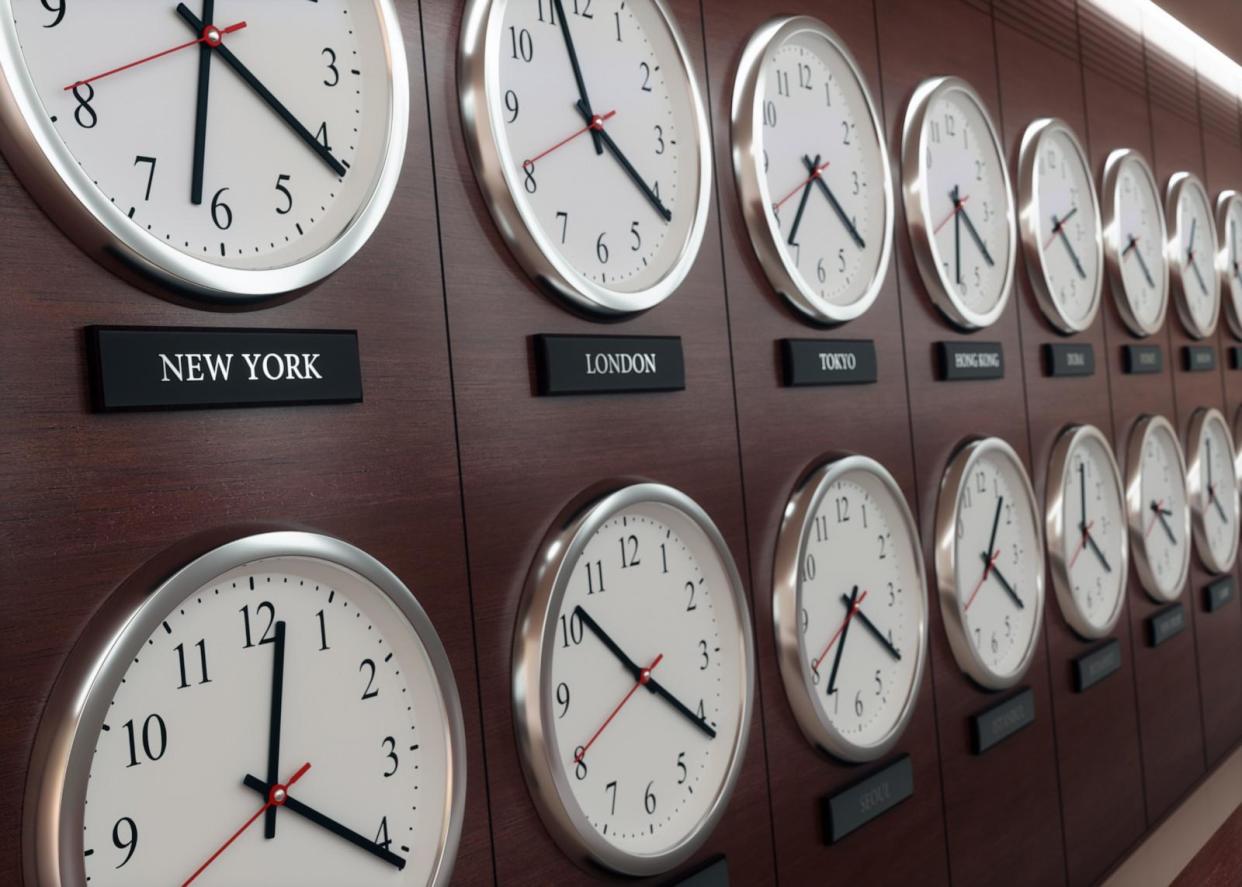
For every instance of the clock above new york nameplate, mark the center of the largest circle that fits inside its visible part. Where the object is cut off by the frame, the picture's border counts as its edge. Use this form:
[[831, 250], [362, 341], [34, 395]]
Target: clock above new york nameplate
[[226, 150]]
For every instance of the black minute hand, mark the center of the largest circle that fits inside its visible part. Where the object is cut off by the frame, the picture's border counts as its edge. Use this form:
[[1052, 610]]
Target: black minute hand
[[200, 116], [626, 165], [273, 734], [974, 235], [811, 167], [577, 68]]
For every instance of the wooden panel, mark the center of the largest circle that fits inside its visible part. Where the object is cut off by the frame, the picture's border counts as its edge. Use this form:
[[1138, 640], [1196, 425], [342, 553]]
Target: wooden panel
[[987, 828], [783, 432], [1097, 731], [1220, 860]]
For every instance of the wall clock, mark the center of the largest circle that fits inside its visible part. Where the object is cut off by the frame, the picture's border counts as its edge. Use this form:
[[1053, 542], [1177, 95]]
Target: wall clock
[[230, 154], [633, 679], [1086, 531], [1157, 504], [990, 562], [589, 139], [1134, 236], [959, 202], [286, 673], [1213, 489], [1229, 257], [812, 169], [849, 601], [1191, 247], [1060, 223]]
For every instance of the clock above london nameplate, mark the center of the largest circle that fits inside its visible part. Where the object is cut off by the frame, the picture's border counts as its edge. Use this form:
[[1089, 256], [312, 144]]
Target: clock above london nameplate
[[226, 152]]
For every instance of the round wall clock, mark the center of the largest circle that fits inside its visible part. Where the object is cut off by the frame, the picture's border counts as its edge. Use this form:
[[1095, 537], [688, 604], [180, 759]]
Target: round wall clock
[[586, 127], [1060, 221], [1134, 236], [849, 601], [228, 157], [1213, 489], [959, 203], [633, 679], [1158, 509], [1229, 257], [1086, 531], [990, 562], [1191, 247], [278, 711], [812, 169]]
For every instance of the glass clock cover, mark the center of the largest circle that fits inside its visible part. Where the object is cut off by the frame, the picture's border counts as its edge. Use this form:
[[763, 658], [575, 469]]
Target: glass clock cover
[[1213, 489], [1191, 248], [1229, 257], [1157, 504], [1134, 236]]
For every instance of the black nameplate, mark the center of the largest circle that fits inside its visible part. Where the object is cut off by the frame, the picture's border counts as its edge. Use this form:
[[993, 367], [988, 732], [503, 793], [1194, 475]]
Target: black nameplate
[[872, 796], [1142, 359], [969, 361], [1199, 358], [714, 874], [996, 724], [1093, 667], [173, 368], [1235, 357], [828, 362], [1218, 594], [1169, 622], [1062, 360], [608, 364]]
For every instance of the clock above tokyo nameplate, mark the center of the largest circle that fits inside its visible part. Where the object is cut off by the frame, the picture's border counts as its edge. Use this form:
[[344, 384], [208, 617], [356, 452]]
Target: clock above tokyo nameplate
[[226, 152]]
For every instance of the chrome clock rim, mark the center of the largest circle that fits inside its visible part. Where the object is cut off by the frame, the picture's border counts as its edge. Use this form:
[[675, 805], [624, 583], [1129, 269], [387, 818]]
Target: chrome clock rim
[[1232, 309], [1113, 250], [1198, 489], [1178, 183], [1147, 425]]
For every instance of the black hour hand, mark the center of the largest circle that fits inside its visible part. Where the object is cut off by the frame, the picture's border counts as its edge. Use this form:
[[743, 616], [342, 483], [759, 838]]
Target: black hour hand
[[872, 629], [626, 166]]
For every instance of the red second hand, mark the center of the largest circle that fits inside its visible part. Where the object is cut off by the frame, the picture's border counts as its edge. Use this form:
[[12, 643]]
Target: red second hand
[[984, 578], [1155, 517], [643, 677], [1082, 546], [275, 798], [212, 36], [840, 628], [957, 208], [812, 177], [597, 124]]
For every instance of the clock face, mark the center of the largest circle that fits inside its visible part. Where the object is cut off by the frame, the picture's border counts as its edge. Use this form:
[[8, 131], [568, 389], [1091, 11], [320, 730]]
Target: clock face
[[237, 150], [1191, 246], [1213, 490], [1061, 225], [959, 202], [1157, 502], [1086, 525], [850, 603], [305, 682], [990, 563], [635, 674], [590, 139], [1134, 235], [1229, 257], [813, 169]]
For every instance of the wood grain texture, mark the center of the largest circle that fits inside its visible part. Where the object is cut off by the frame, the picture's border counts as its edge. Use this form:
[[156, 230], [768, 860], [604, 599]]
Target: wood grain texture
[[1220, 860]]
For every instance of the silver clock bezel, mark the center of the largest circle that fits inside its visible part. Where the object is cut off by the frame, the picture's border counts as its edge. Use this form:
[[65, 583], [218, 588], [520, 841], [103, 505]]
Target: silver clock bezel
[[1197, 489], [481, 26], [1237, 431], [949, 494], [1178, 183], [913, 192], [787, 606], [1028, 210], [1114, 251], [64, 190], [1145, 426], [64, 746], [1069, 440], [533, 640], [1232, 307], [747, 152]]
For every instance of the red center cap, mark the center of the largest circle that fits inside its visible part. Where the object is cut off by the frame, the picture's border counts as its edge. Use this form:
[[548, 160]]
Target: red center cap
[[212, 36]]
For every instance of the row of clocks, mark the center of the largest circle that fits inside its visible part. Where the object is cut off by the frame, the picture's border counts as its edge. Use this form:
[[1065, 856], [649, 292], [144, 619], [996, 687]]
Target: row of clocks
[[290, 683], [589, 137]]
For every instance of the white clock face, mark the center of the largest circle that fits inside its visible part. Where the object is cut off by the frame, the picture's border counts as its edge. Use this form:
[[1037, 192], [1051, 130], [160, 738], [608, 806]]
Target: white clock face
[[254, 144], [997, 586], [287, 670], [861, 623], [599, 136], [1159, 516], [1192, 244], [1092, 538], [1214, 491], [1135, 239], [965, 211], [1062, 219], [823, 173], [1230, 261], [644, 688]]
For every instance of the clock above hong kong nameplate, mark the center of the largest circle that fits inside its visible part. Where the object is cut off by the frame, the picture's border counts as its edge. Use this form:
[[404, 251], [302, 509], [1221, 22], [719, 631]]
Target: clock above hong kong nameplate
[[170, 368]]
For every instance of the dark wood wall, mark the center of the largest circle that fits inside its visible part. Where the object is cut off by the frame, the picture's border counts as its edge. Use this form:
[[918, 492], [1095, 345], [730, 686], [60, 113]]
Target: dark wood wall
[[452, 470]]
